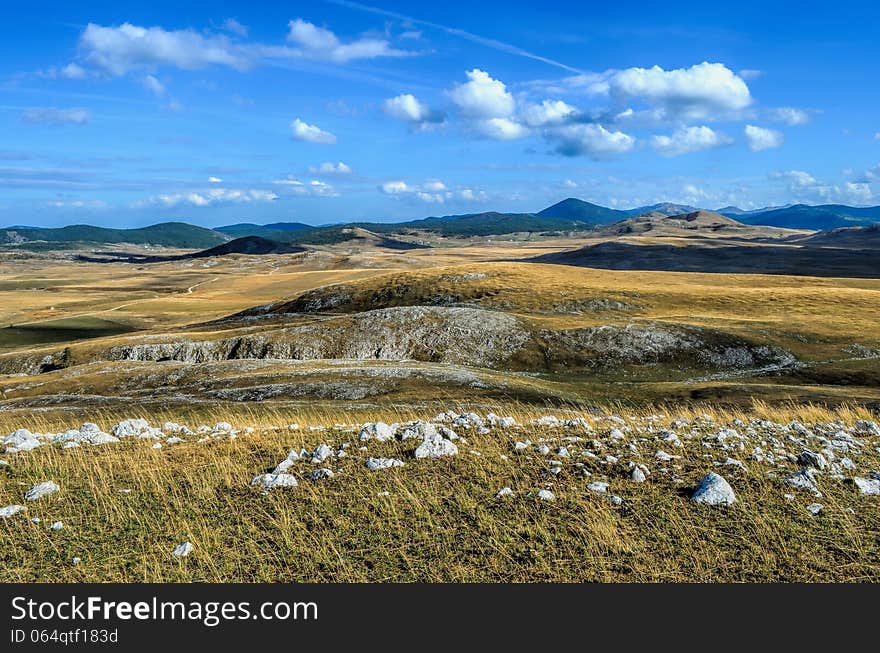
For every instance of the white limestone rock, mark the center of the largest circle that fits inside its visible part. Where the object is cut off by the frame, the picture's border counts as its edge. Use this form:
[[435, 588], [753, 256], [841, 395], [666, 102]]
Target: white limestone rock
[[868, 486], [379, 431], [383, 463], [714, 490], [182, 550], [7, 511], [272, 481], [436, 447], [804, 479], [41, 490]]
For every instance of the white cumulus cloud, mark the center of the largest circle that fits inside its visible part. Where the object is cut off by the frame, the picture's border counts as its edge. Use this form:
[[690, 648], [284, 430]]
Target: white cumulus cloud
[[705, 91], [590, 139], [547, 112], [483, 97], [313, 188], [689, 139], [501, 129], [118, 50], [408, 108], [303, 131], [318, 43], [210, 197], [329, 168], [790, 115], [760, 139]]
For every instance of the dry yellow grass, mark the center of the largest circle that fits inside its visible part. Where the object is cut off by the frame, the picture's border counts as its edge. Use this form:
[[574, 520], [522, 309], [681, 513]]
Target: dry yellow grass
[[439, 522]]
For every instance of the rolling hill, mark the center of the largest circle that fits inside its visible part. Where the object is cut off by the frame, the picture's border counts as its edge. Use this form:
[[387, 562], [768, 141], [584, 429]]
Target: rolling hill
[[720, 258], [483, 224], [279, 231], [817, 218], [851, 238], [584, 212], [165, 234], [664, 208]]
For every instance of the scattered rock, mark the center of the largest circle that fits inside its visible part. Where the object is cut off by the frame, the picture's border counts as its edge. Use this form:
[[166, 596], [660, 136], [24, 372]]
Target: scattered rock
[[869, 486], [866, 427], [182, 550], [321, 473], [815, 508], [503, 492], [436, 447], [7, 511], [598, 486], [321, 453], [383, 463], [809, 458], [546, 495], [714, 490], [804, 479], [41, 490], [271, 481], [379, 431], [56, 526]]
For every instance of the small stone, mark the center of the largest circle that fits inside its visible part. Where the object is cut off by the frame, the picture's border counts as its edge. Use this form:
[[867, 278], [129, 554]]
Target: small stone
[[76, 560], [615, 500], [714, 490], [56, 526], [182, 550], [321, 473], [638, 476], [41, 490], [321, 453], [383, 463], [378, 431], [436, 447], [805, 479], [815, 508], [598, 486], [809, 458], [7, 511], [869, 486], [546, 495], [503, 492], [270, 481]]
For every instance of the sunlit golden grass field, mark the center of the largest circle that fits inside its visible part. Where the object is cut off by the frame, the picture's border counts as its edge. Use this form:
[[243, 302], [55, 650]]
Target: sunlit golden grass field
[[440, 519]]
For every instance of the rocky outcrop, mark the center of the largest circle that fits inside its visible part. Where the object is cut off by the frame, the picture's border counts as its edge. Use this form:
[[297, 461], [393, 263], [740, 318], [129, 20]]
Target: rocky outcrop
[[613, 344], [463, 336]]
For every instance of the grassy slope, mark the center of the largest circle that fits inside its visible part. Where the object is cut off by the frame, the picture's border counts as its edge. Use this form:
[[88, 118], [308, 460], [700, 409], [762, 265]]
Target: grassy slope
[[441, 521]]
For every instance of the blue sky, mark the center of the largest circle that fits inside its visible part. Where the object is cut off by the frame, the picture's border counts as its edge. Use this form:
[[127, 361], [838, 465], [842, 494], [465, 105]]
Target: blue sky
[[321, 112]]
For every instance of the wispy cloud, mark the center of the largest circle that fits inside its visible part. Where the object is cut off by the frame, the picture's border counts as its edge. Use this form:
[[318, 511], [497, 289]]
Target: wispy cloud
[[56, 116]]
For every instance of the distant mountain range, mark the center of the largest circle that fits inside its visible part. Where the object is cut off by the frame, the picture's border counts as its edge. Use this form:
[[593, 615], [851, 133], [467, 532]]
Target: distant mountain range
[[166, 234], [568, 215]]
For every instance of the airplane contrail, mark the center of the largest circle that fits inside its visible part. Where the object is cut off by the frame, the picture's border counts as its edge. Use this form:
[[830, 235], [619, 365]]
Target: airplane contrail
[[482, 40]]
